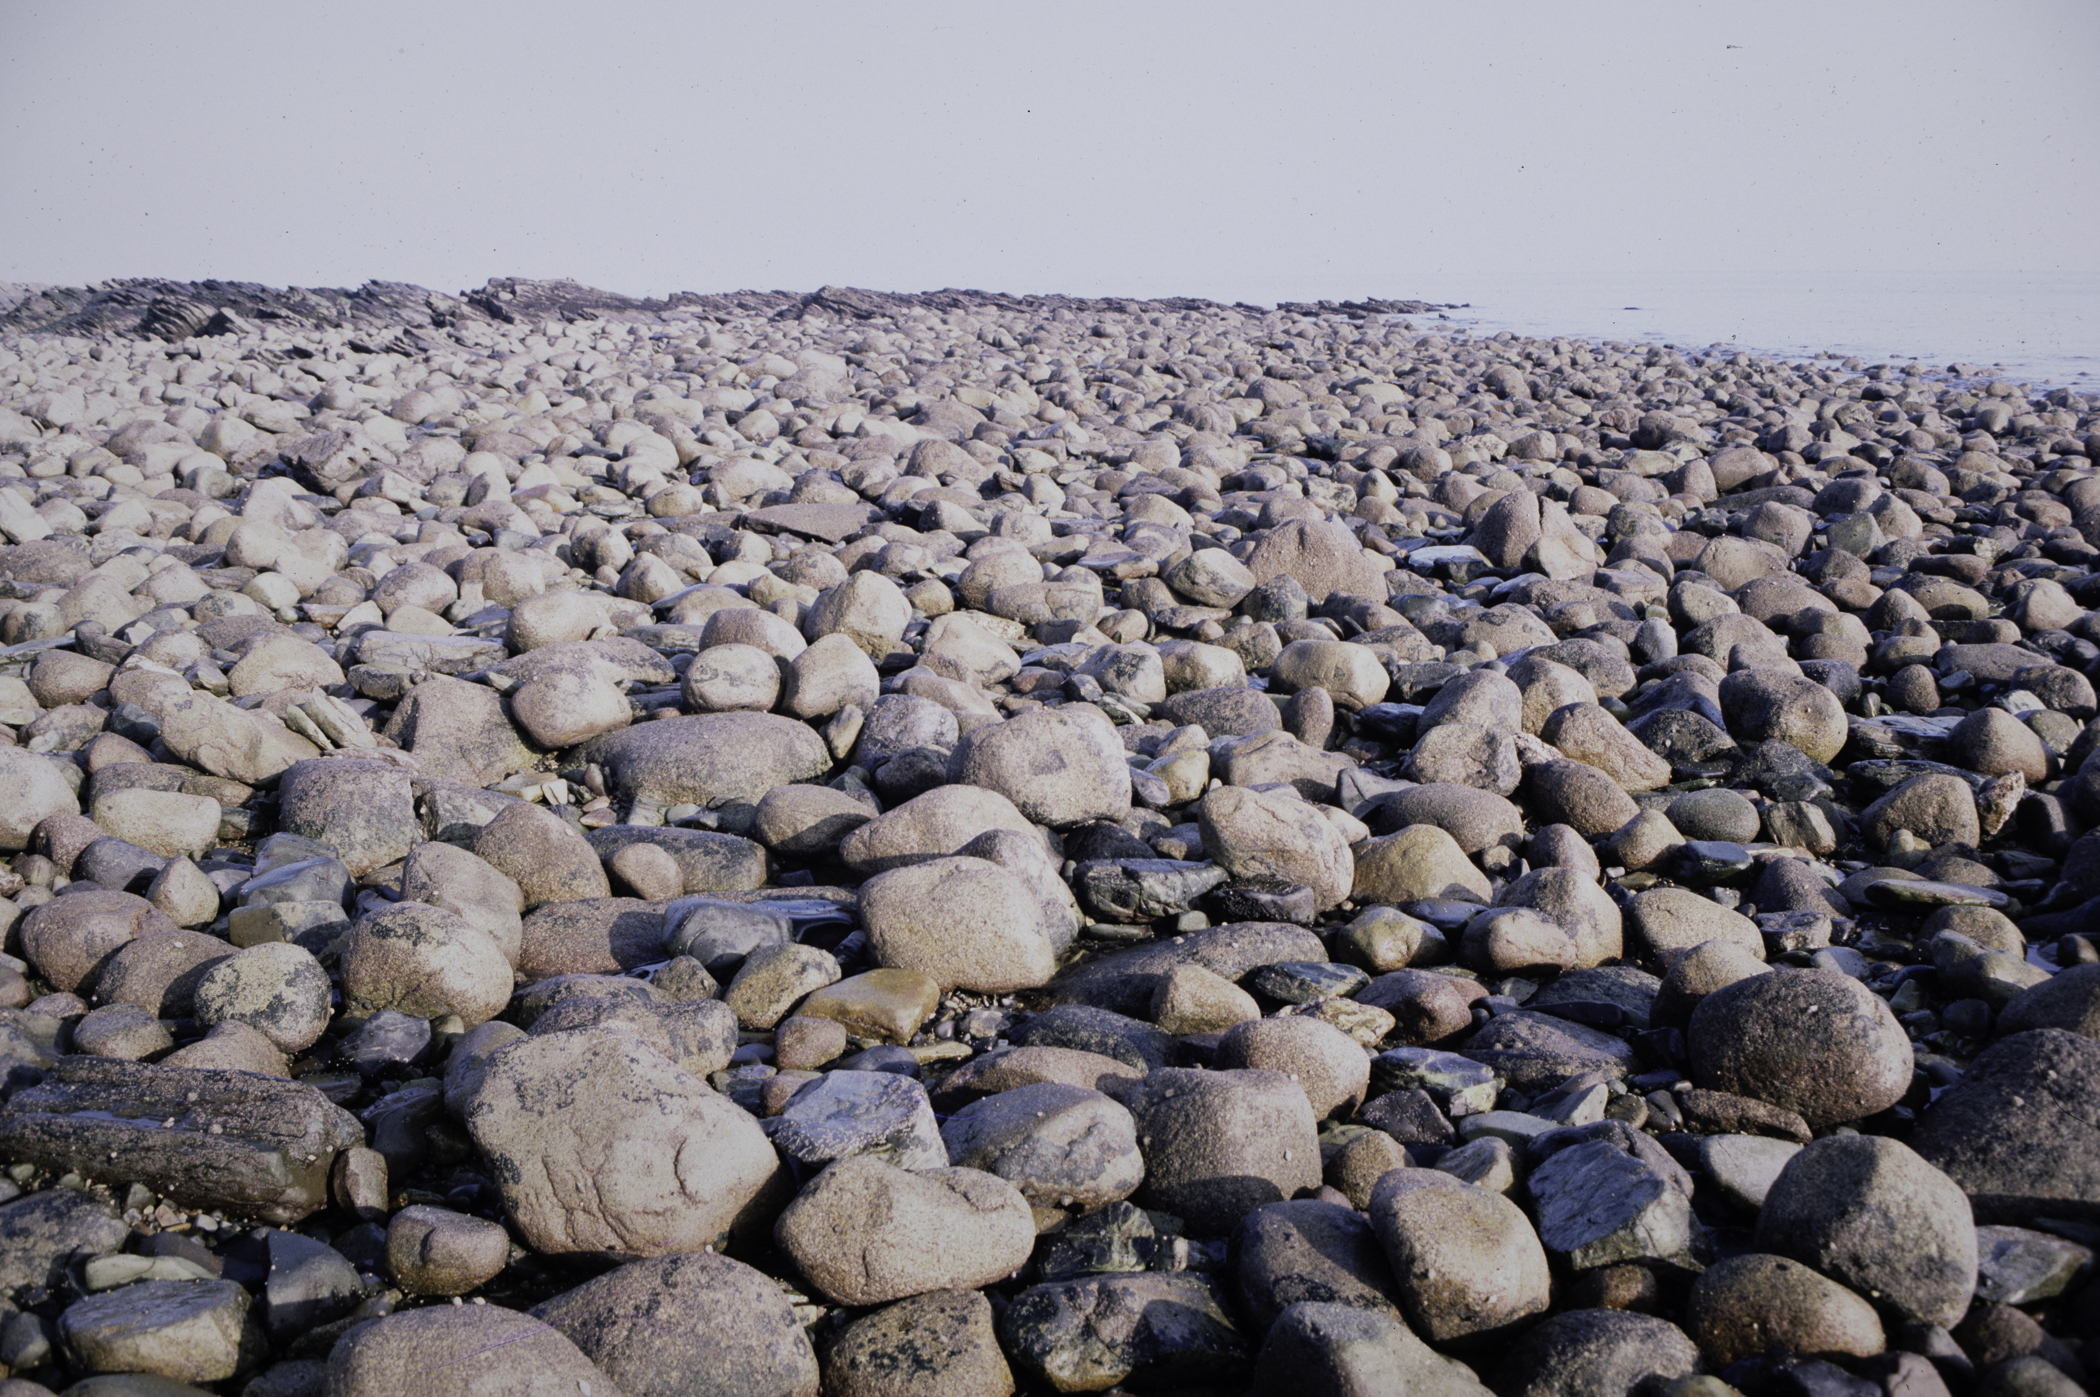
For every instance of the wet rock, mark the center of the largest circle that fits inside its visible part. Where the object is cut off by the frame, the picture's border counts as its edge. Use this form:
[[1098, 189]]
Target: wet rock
[[310, 1283], [2018, 1266], [1598, 1205], [1743, 1168], [43, 1235], [1533, 1051]]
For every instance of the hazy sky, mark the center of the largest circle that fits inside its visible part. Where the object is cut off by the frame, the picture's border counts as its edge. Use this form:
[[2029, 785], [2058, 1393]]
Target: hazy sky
[[1251, 151]]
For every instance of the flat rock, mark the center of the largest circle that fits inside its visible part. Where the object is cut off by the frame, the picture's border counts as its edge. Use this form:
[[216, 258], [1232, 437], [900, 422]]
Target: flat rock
[[250, 1145]]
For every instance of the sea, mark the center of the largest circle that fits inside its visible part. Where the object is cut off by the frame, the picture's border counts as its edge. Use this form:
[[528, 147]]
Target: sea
[[2035, 329]]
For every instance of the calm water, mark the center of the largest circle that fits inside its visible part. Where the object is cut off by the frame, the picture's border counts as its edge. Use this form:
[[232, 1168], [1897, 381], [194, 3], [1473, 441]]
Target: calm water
[[2033, 328]]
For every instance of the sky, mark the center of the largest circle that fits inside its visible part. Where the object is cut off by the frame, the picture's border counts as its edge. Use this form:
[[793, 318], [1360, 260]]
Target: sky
[[1241, 151]]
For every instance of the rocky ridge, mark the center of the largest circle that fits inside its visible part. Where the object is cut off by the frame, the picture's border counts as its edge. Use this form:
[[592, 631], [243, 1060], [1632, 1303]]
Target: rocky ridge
[[958, 843]]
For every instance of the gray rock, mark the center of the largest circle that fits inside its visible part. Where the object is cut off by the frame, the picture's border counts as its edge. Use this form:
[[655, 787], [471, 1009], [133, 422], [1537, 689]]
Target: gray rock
[[364, 809], [1254, 835], [1328, 1065], [1869, 1213], [68, 938], [189, 1331], [1672, 921], [1572, 900], [1335, 1350], [1469, 1268], [708, 758], [1097, 1032], [1059, 767], [866, 1232], [1532, 1051], [1309, 1251], [468, 1351], [43, 1235], [1091, 1334], [679, 1324], [542, 854], [457, 731], [420, 960], [1747, 1038], [1600, 1206], [771, 981], [967, 922], [1747, 1305], [1477, 819], [2069, 1000], [446, 876], [600, 1143], [939, 823], [2019, 1266], [1217, 1145], [435, 1251], [2020, 1132], [1457, 1085], [596, 936], [844, 1114], [39, 792], [1064, 1147], [247, 1144], [1127, 982], [275, 988], [1595, 1353], [721, 934], [310, 1284], [1743, 1168], [947, 1337]]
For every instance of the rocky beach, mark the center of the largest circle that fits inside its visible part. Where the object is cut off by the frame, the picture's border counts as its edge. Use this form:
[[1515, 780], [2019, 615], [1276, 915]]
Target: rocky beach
[[950, 845]]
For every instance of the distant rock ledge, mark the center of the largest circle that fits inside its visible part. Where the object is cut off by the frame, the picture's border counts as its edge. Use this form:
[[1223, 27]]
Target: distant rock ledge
[[150, 308]]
